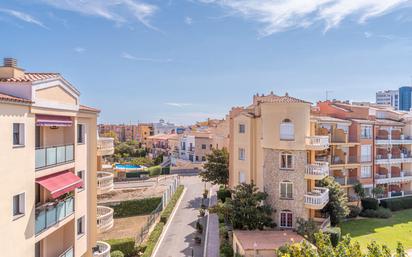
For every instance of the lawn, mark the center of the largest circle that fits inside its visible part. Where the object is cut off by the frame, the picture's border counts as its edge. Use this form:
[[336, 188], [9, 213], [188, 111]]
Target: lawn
[[398, 228]]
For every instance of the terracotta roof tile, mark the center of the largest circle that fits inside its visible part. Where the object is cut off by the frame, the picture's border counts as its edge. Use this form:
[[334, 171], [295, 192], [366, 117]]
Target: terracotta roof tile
[[88, 108], [10, 98], [272, 98], [32, 76]]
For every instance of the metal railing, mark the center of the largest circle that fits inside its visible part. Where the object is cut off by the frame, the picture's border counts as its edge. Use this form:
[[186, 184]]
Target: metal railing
[[54, 155], [51, 213]]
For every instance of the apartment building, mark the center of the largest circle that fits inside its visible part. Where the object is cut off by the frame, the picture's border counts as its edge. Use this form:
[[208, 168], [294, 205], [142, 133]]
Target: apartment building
[[272, 144], [388, 98], [194, 146], [48, 155], [123, 132], [144, 130], [163, 127]]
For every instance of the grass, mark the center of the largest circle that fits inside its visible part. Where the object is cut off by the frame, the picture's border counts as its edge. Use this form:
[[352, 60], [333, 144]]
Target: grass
[[398, 228]]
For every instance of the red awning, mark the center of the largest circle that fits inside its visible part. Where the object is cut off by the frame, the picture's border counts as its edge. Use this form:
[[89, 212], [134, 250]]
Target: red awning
[[60, 183], [53, 120]]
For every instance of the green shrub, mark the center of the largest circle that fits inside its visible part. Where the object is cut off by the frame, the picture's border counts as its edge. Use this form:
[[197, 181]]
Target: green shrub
[[223, 193], [166, 170], [125, 245], [380, 213], [171, 205], [226, 250], [335, 235], [136, 207], [155, 171], [370, 203], [153, 238], [117, 253], [396, 204], [353, 211]]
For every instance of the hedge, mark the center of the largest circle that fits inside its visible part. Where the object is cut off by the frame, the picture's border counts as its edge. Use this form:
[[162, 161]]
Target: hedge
[[335, 235], [125, 245], [166, 170], [136, 207], [370, 203], [223, 193], [353, 211], [169, 208], [153, 238], [155, 170], [380, 213], [116, 253], [397, 204]]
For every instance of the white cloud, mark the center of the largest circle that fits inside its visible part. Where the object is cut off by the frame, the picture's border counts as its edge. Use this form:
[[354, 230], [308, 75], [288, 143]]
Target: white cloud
[[180, 105], [188, 20], [128, 56], [282, 15], [23, 16], [118, 11], [79, 49], [367, 34]]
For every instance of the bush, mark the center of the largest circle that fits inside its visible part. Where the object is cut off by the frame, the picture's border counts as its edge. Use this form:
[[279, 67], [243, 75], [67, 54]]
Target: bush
[[169, 208], [335, 235], [199, 227], [136, 207], [166, 170], [353, 211], [370, 203], [397, 204], [154, 171], [153, 238], [380, 213], [223, 193], [226, 250], [125, 246], [116, 253]]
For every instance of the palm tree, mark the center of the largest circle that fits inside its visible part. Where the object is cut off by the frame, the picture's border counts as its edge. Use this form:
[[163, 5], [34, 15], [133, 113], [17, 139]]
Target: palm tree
[[360, 191]]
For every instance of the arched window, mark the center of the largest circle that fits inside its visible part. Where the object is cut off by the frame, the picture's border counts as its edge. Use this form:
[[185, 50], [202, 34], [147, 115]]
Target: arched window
[[286, 189], [287, 130], [286, 219], [286, 160]]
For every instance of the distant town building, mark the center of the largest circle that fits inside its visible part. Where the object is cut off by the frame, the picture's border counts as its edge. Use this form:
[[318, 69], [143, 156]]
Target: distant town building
[[144, 130], [405, 95], [123, 132], [388, 97], [163, 127]]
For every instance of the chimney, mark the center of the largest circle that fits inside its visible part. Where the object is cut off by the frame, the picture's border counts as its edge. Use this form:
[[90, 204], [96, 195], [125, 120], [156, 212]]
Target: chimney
[[10, 69]]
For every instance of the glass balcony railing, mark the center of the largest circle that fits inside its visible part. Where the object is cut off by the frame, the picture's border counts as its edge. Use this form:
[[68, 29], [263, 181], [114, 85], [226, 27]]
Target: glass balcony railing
[[50, 214], [68, 253], [54, 155]]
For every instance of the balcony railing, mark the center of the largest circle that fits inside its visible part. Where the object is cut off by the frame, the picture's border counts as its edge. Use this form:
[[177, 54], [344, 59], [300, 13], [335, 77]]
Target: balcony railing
[[317, 170], [390, 140], [395, 194], [50, 214], [390, 158], [54, 155], [102, 249], [317, 142], [104, 218], [68, 253], [104, 182], [346, 181], [105, 146], [318, 198], [404, 176]]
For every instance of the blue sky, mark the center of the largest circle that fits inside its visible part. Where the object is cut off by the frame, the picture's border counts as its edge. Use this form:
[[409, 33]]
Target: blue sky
[[185, 60]]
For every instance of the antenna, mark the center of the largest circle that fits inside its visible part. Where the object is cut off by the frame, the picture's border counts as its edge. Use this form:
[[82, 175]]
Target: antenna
[[327, 94]]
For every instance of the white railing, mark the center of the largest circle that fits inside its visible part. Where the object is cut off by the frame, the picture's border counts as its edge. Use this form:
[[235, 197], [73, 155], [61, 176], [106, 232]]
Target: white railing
[[105, 146], [318, 198], [320, 169], [317, 142], [104, 182], [390, 159], [102, 249], [104, 218], [384, 179]]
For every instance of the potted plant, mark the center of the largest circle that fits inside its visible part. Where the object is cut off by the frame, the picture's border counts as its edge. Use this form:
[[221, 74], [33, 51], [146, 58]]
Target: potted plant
[[198, 240], [202, 212], [199, 227]]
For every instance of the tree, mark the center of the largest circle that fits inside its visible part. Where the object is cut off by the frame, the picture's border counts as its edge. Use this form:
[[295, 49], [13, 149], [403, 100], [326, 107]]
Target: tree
[[337, 206], [359, 191], [377, 191], [216, 167], [111, 134], [307, 229], [245, 210]]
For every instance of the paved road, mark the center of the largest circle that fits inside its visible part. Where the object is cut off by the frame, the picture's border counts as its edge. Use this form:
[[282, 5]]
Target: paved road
[[179, 236]]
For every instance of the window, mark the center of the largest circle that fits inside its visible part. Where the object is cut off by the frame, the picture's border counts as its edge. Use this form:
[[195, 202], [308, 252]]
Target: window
[[242, 154], [211, 146], [287, 130], [183, 146], [286, 160], [366, 132], [286, 189], [18, 134], [242, 178], [366, 153], [366, 171], [19, 205], [203, 146], [242, 128], [203, 158], [190, 147], [80, 226], [286, 219], [80, 133], [81, 175], [197, 158]]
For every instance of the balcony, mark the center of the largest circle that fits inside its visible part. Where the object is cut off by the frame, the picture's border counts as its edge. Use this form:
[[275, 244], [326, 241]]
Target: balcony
[[388, 178], [317, 142], [102, 249], [105, 146], [68, 253], [395, 194], [346, 181], [391, 159], [104, 182], [55, 155], [317, 170], [389, 140], [104, 218], [51, 213], [317, 199]]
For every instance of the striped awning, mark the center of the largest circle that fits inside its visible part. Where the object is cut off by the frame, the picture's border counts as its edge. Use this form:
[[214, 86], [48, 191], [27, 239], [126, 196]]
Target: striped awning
[[53, 120], [60, 183]]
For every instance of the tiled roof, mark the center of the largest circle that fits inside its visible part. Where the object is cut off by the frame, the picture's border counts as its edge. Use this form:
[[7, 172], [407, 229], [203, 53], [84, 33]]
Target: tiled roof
[[328, 119], [87, 108], [10, 98], [31, 76], [272, 98]]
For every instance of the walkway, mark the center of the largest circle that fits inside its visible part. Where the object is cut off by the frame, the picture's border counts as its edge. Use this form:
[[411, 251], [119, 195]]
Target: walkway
[[212, 247], [178, 240]]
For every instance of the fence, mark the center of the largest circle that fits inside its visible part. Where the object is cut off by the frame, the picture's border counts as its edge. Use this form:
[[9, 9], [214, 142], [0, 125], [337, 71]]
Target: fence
[[167, 195]]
